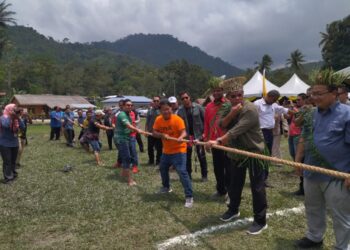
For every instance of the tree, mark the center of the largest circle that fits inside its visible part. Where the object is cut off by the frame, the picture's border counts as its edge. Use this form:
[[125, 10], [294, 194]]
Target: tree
[[295, 60], [265, 64], [5, 19], [335, 44]]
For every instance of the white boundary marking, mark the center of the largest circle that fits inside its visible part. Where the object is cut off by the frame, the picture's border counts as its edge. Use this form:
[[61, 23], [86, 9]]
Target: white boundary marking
[[191, 238]]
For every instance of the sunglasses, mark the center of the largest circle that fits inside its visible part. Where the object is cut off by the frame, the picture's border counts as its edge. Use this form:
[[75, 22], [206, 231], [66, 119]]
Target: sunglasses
[[184, 98], [155, 100]]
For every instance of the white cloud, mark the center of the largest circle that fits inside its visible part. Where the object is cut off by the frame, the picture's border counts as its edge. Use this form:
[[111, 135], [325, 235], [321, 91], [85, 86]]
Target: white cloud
[[238, 31]]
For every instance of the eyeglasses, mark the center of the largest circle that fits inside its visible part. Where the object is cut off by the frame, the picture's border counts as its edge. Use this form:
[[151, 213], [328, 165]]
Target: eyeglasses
[[319, 94], [184, 98], [235, 96]]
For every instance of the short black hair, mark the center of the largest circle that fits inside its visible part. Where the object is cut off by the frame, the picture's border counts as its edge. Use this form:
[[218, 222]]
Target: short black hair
[[184, 92], [164, 101], [303, 96], [126, 100]]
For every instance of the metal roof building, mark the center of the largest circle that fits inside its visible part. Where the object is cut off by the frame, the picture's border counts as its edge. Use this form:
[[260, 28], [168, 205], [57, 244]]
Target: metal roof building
[[138, 101]]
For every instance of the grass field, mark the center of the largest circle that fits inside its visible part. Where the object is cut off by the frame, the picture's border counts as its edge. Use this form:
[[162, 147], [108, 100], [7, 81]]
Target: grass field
[[93, 208]]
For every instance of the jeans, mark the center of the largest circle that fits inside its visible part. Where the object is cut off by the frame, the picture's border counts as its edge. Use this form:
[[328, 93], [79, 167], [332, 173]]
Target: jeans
[[133, 152], [179, 162], [332, 196], [154, 143], [202, 160], [257, 186], [9, 156], [268, 138], [124, 149], [221, 170], [292, 143]]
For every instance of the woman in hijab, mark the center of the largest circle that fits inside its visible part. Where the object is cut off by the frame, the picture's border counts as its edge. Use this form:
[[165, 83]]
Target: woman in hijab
[[10, 125]]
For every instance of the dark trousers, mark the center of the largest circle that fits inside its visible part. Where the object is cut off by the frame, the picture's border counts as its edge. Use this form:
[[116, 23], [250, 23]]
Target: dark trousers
[[257, 185], [202, 161], [154, 143], [110, 135], [139, 142], [70, 136], [55, 132], [221, 170], [9, 156], [268, 137]]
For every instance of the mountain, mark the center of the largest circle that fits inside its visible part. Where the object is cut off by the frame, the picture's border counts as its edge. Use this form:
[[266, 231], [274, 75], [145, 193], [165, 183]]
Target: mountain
[[160, 50], [157, 50]]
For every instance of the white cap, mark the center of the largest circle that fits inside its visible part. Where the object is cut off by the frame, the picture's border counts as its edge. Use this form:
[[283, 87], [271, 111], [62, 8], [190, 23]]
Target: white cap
[[99, 112], [172, 99]]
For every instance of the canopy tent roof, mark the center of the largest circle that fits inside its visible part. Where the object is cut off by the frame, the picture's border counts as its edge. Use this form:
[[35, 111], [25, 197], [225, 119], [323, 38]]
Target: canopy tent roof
[[254, 87], [293, 86]]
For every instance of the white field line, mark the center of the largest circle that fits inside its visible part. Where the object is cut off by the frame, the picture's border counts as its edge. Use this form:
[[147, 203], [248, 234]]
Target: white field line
[[190, 239]]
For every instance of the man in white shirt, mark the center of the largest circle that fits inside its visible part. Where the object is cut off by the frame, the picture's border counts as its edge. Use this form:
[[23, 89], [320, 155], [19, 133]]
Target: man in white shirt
[[267, 109]]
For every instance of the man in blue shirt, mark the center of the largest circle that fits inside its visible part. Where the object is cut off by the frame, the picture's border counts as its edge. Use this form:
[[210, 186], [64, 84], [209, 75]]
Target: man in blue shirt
[[55, 123], [327, 144]]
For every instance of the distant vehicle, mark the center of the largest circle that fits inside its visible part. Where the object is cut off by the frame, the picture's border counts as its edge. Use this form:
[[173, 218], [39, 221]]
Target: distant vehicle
[[142, 112]]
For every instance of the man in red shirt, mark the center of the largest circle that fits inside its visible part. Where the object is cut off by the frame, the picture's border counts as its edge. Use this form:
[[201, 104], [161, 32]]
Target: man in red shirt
[[294, 133], [212, 131]]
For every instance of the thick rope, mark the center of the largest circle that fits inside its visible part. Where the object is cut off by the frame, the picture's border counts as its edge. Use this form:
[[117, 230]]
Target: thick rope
[[298, 165]]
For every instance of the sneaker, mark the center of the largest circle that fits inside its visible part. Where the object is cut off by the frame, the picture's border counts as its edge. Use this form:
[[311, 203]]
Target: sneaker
[[135, 169], [229, 215], [164, 190], [307, 243], [189, 202], [255, 228]]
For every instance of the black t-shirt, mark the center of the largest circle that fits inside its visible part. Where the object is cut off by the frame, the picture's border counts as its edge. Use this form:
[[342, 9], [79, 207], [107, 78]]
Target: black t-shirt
[[189, 120], [93, 128]]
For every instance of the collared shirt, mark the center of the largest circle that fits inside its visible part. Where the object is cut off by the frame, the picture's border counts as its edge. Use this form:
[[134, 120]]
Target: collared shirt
[[267, 113], [212, 130], [331, 136]]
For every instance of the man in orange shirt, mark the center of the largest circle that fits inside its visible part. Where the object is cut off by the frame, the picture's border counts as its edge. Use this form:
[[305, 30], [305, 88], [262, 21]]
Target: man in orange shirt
[[168, 126]]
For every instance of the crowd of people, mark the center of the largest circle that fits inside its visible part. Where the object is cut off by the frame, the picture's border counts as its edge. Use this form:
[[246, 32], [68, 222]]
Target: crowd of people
[[317, 125]]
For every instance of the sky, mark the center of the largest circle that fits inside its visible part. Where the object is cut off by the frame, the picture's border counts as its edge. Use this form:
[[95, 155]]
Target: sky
[[238, 31]]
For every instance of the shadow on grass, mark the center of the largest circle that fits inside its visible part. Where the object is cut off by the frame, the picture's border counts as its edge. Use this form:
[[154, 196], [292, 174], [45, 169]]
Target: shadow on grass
[[283, 243]]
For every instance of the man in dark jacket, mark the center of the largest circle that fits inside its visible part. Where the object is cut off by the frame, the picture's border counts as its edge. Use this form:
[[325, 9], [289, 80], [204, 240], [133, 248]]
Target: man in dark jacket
[[193, 115]]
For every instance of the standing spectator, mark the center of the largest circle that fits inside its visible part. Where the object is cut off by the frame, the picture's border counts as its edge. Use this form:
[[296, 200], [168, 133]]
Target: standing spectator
[[108, 122], [80, 120], [174, 152], [193, 115], [174, 104], [22, 134], [267, 109], [294, 134], [69, 125], [152, 142], [326, 143], [55, 123], [241, 120], [212, 131], [343, 94], [10, 125]]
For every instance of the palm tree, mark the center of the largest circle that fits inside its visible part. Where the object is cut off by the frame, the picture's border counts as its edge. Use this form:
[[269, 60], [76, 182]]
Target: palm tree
[[265, 63], [5, 15], [295, 60]]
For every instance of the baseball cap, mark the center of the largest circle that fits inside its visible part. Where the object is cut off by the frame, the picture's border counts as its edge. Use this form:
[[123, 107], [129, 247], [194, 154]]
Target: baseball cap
[[172, 99]]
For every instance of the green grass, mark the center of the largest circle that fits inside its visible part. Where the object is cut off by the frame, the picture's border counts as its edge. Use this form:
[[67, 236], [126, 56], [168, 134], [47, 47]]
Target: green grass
[[93, 208]]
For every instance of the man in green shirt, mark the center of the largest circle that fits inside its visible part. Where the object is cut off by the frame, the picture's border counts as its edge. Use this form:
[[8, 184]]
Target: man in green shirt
[[122, 139], [240, 119]]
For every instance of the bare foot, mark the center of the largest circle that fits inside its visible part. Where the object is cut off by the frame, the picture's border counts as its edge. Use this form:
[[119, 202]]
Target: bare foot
[[132, 183]]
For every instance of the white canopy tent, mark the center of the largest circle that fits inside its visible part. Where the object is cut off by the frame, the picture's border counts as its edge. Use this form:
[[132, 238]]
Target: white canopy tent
[[254, 87], [293, 86], [345, 71]]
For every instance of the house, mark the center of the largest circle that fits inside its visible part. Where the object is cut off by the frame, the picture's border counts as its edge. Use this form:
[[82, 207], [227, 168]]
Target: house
[[36, 104], [138, 101]]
